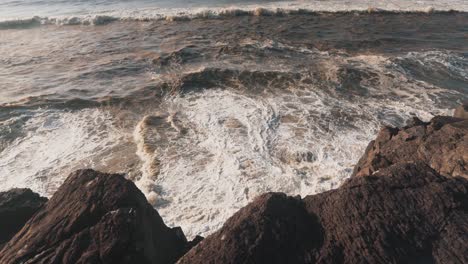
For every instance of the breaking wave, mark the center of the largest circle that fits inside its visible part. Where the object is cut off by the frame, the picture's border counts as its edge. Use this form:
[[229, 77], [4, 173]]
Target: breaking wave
[[184, 15]]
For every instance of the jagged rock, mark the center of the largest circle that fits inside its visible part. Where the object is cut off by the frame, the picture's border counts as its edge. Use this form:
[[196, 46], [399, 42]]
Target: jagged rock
[[95, 218], [274, 228], [461, 111], [407, 213], [442, 143], [16, 207]]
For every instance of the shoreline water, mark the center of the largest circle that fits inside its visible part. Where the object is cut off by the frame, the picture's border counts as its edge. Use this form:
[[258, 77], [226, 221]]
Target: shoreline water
[[247, 104], [407, 194]]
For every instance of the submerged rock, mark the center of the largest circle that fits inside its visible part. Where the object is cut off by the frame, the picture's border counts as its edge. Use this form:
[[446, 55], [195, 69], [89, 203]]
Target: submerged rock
[[441, 143], [17, 206], [406, 213], [96, 218], [461, 111]]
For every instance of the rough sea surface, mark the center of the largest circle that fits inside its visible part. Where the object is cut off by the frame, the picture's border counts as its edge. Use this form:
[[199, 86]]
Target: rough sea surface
[[205, 105]]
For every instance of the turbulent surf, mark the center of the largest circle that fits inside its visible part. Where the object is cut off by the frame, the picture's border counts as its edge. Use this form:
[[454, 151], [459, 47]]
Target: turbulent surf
[[204, 110]]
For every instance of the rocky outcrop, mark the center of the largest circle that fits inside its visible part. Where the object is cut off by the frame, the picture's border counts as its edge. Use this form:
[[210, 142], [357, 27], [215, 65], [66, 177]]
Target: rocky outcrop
[[441, 143], [274, 228], [16, 208], [406, 213], [95, 218]]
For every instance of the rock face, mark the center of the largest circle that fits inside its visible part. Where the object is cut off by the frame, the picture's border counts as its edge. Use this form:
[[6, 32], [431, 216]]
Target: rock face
[[274, 228], [441, 143], [95, 218], [16, 207], [406, 213]]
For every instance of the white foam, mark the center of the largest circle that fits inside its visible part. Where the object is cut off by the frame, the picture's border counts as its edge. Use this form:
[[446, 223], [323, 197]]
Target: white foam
[[55, 144], [90, 15], [299, 141]]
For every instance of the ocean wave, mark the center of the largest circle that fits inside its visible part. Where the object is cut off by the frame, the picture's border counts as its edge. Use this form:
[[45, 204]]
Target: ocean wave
[[229, 133], [185, 15], [38, 21], [441, 68]]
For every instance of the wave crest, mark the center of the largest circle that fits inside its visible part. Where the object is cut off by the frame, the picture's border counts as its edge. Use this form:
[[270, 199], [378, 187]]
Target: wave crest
[[153, 15]]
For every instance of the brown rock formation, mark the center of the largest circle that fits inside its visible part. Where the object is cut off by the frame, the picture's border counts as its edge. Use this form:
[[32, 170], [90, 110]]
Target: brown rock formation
[[95, 218], [16, 208], [407, 213], [274, 228], [441, 143]]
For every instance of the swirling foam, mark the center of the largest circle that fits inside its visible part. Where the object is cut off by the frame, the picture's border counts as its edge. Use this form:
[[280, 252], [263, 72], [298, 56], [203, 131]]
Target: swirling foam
[[55, 143], [231, 145]]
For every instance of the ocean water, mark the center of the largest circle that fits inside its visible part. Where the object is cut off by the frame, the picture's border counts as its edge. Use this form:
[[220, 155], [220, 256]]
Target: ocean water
[[206, 104]]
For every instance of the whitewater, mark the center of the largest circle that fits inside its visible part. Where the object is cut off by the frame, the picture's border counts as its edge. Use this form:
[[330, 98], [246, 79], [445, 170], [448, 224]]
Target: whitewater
[[96, 12], [207, 104]]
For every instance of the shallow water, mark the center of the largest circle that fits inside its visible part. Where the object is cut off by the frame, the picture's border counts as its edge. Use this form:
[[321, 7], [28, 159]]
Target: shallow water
[[205, 113]]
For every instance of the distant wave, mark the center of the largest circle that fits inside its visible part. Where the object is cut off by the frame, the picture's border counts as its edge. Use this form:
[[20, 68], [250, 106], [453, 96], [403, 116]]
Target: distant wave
[[38, 21], [184, 15]]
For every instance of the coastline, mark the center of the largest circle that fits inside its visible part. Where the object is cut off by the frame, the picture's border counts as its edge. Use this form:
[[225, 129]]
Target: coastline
[[398, 211]]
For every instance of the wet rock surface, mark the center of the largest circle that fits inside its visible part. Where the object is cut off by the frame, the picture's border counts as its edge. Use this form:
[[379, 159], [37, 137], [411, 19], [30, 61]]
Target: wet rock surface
[[441, 143], [96, 218], [407, 213], [17, 206]]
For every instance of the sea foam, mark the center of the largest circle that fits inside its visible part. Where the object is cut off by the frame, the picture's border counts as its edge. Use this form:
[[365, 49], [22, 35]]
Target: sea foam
[[231, 145], [54, 144]]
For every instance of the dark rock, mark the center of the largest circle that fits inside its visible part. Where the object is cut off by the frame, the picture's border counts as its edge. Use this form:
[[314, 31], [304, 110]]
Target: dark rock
[[406, 213], [16, 207], [194, 242], [461, 111], [95, 218], [274, 228], [441, 143]]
